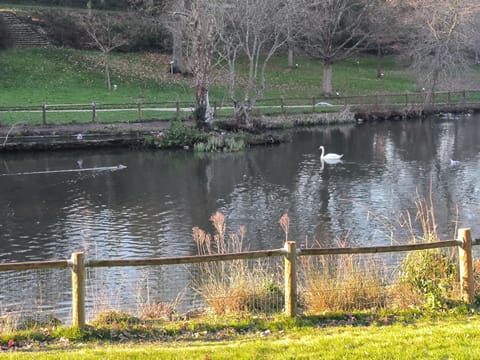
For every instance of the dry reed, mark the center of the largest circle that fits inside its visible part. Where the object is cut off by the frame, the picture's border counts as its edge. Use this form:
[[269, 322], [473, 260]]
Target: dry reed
[[237, 285], [342, 283]]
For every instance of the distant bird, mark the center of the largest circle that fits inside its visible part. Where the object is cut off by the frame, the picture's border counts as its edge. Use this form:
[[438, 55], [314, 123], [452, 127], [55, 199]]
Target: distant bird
[[454, 162], [79, 137], [329, 156]]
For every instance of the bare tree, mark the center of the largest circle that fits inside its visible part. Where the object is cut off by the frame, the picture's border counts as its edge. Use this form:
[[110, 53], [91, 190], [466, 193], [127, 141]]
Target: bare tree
[[202, 49], [176, 22], [384, 29], [437, 40], [107, 33], [472, 30], [332, 30], [291, 21], [170, 14], [252, 29], [191, 26]]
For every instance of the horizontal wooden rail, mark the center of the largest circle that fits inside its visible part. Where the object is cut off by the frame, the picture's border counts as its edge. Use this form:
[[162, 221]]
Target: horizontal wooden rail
[[34, 265], [289, 252], [380, 249], [177, 260], [453, 96]]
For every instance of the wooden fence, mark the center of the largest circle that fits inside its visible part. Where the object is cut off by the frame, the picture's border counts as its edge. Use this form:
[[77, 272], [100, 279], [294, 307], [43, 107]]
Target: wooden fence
[[167, 110], [290, 254]]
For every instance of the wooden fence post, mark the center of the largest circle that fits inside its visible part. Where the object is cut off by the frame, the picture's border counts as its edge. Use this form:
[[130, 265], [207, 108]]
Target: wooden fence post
[[214, 109], [139, 110], [78, 290], [313, 103], [290, 279], [177, 104], [282, 104], [44, 114], [465, 258], [94, 112]]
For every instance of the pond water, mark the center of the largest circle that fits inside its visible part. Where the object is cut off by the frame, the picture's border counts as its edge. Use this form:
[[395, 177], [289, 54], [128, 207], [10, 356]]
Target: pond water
[[149, 208]]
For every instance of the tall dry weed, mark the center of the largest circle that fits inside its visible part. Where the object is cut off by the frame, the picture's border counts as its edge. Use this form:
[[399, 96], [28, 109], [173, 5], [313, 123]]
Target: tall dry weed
[[426, 278], [236, 285], [342, 283]]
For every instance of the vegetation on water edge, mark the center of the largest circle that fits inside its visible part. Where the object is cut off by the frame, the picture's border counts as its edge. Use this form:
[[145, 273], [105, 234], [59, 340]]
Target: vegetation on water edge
[[179, 134]]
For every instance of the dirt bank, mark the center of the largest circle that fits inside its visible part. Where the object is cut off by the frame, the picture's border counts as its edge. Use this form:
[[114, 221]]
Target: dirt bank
[[132, 134], [74, 136], [95, 135]]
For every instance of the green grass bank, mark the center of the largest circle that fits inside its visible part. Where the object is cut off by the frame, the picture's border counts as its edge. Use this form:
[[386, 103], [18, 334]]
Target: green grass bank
[[439, 336], [65, 76]]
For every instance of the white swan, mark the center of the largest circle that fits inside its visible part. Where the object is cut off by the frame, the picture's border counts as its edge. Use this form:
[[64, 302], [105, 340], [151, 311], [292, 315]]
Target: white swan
[[329, 156]]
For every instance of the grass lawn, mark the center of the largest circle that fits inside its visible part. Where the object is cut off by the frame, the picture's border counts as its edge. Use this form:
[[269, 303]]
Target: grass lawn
[[449, 338], [32, 77], [356, 76], [63, 76]]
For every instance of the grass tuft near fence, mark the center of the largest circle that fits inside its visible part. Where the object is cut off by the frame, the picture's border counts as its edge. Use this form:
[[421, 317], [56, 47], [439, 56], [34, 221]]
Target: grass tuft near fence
[[343, 283], [238, 285]]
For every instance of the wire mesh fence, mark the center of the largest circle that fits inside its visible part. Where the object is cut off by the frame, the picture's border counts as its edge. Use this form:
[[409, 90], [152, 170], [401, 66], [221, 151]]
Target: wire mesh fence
[[352, 282], [140, 291], [34, 296], [253, 285], [176, 291]]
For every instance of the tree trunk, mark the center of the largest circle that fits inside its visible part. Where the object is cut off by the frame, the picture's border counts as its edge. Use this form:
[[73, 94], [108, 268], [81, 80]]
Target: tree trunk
[[107, 70], [201, 53], [177, 38], [177, 50], [89, 7], [418, 85], [290, 55], [327, 78], [379, 61], [241, 113], [431, 90]]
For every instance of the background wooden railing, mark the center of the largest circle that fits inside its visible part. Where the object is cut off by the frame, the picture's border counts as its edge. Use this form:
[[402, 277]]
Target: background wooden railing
[[290, 253], [168, 110]]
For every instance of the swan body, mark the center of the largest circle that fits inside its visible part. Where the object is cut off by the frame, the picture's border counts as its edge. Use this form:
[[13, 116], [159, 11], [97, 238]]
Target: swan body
[[329, 156]]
